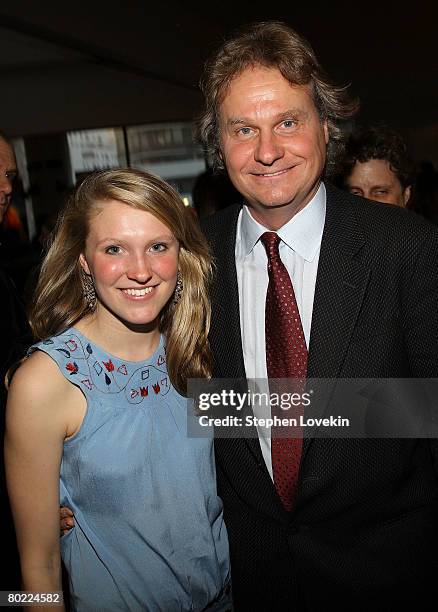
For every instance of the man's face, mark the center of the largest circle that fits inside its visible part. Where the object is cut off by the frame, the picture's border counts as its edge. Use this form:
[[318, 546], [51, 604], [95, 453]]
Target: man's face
[[273, 143], [8, 172], [375, 180]]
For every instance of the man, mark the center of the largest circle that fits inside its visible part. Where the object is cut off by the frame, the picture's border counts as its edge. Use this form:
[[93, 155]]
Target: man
[[15, 336], [13, 323], [376, 166], [363, 531], [8, 172]]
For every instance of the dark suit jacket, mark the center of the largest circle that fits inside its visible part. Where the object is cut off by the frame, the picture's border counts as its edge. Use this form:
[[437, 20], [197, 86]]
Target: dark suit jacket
[[364, 533]]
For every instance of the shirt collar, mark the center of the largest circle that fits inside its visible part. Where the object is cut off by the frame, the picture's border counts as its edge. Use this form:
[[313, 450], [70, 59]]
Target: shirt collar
[[302, 234]]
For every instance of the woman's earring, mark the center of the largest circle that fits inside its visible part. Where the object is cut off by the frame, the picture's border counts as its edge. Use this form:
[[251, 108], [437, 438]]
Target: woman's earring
[[88, 289], [178, 288]]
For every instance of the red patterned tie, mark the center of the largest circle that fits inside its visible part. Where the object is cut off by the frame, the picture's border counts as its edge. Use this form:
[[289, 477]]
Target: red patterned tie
[[286, 357]]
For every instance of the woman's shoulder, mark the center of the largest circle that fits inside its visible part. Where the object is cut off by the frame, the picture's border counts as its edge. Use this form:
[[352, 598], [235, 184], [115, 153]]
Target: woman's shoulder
[[41, 399], [39, 373], [40, 405], [38, 382]]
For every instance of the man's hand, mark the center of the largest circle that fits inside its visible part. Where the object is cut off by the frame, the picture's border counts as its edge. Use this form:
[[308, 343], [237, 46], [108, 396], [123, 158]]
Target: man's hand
[[66, 519]]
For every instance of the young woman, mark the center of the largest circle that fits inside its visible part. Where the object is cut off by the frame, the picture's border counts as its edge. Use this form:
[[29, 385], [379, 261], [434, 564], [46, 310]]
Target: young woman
[[96, 417]]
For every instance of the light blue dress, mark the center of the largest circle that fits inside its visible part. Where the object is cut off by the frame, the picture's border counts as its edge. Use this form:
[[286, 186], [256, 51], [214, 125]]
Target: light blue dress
[[149, 531]]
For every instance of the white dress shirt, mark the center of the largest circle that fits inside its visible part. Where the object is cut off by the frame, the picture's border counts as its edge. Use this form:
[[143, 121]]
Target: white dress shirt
[[299, 250]]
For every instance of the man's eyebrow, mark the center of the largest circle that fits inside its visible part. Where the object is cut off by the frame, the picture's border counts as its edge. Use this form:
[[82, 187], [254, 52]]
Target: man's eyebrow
[[237, 121], [293, 113]]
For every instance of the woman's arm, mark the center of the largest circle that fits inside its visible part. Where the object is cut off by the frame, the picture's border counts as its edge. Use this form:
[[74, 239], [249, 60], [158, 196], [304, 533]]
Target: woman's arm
[[36, 426]]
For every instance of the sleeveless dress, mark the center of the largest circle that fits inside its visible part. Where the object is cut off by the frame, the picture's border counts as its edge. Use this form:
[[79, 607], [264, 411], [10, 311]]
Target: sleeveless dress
[[149, 531]]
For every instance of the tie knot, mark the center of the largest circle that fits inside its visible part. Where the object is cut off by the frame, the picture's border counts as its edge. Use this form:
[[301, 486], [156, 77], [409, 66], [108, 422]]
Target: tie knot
[[271, 240]]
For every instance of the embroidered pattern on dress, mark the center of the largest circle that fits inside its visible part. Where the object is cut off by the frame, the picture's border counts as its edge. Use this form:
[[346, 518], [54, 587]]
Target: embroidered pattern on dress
[[107, 377]]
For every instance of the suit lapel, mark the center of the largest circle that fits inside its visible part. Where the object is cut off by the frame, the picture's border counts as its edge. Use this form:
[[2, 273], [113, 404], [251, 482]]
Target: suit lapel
[[340, 288], [225, 336]]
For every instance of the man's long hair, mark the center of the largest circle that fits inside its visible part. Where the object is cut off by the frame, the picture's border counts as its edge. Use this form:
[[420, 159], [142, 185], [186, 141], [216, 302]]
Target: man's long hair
[[273, 45]]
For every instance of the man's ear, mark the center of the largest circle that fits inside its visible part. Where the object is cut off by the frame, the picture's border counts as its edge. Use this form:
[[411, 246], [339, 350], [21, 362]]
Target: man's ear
[[406, 195], [83, 264], [326, 131], [221, 155]]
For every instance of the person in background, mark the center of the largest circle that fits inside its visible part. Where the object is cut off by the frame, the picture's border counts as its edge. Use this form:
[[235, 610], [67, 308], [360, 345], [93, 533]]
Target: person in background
[[15, 338], [8, 173], [97, 418], [376, 166], [13, 323]]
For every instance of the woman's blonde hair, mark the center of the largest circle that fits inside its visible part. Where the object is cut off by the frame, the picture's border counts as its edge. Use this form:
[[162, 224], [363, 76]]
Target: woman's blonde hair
[[60, 302]]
